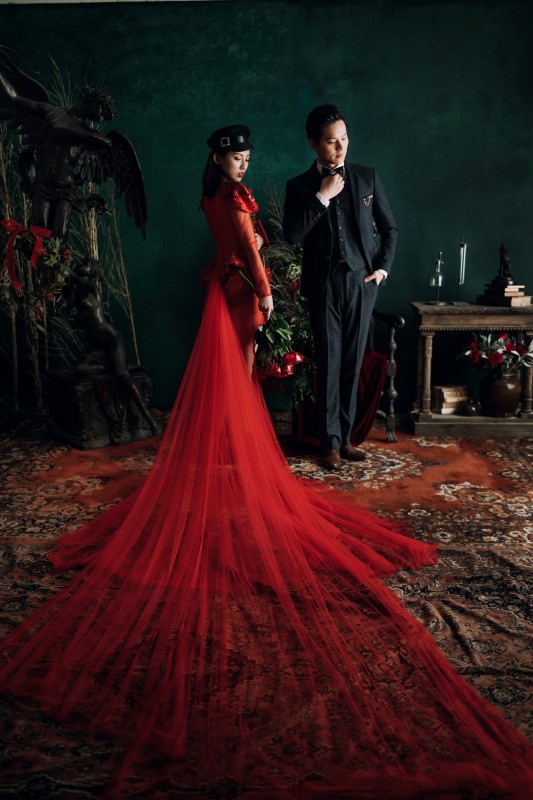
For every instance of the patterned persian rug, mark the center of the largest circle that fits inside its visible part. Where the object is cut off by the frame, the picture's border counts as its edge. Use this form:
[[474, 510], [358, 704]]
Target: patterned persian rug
[[473, 497]]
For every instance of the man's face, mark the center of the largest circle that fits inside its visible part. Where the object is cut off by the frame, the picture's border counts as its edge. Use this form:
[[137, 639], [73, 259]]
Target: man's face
[[332, 146]]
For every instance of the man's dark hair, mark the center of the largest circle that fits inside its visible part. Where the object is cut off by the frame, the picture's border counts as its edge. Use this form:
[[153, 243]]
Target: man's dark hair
[[319, 118]]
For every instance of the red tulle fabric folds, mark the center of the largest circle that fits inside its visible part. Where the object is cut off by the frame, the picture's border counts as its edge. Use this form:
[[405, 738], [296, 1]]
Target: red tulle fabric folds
[[235, 621]]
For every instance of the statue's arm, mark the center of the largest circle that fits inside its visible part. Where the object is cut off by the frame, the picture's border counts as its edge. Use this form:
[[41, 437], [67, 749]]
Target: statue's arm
[[91, 136], [9, 91]]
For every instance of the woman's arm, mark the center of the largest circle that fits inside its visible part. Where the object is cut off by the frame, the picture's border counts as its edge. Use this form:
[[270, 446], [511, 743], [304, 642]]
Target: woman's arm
[[242, 221]]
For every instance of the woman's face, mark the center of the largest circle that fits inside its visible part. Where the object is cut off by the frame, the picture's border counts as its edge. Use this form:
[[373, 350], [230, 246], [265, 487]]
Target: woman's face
[[233, 165]]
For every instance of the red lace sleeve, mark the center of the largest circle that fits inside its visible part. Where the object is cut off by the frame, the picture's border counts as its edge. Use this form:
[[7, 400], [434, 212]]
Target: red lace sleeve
[[239, 196]]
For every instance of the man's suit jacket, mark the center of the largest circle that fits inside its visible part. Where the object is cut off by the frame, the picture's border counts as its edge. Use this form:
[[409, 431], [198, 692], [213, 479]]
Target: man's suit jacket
[[306, 218]]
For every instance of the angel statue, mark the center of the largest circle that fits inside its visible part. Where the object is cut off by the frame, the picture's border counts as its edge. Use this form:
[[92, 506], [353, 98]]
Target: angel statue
[[105, 342], [62, 151]]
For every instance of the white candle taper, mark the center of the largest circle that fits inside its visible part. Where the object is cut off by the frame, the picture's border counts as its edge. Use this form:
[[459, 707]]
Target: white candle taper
[[462, 262]]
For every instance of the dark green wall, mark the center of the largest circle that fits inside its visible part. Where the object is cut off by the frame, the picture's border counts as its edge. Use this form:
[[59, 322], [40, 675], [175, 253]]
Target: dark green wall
[[438, 96]]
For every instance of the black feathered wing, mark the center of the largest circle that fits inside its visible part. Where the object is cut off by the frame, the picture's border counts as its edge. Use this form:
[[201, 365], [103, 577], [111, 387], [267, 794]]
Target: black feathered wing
[[119, 162], [128, 179]]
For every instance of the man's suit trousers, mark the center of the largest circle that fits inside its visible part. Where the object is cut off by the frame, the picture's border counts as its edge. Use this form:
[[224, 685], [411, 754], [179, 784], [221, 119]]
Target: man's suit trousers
[[340, 319]]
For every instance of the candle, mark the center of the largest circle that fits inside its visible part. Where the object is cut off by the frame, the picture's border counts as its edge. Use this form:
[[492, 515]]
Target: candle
[[462, 262]]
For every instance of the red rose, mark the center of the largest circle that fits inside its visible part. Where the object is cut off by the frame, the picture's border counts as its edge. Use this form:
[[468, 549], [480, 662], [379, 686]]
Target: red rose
[[286, 370], [503, 336], [292, 358], [495, 358], [295, 286], [509, 346], [274, 370], [474, 357]]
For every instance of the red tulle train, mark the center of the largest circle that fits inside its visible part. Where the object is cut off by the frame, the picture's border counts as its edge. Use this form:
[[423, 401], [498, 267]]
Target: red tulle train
[[234, 620]]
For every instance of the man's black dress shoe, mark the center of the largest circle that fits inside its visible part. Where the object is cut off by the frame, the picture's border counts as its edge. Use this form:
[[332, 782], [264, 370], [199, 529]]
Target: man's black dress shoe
[[351, 453], [331, 459]]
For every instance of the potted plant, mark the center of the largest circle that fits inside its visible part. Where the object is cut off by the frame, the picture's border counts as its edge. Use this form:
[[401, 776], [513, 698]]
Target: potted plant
[[285, 345]]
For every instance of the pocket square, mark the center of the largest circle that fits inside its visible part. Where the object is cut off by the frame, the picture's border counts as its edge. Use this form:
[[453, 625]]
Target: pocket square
[[366, 200]]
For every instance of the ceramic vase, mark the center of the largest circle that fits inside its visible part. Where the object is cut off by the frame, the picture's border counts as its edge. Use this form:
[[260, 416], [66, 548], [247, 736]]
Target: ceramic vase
[[500, 395]]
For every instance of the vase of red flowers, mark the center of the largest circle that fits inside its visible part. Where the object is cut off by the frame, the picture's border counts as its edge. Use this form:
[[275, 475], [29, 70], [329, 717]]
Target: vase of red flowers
[[503, 359]]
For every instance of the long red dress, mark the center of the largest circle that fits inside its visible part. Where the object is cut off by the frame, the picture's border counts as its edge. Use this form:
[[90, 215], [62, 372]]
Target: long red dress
[[231, 215], [233, 620]]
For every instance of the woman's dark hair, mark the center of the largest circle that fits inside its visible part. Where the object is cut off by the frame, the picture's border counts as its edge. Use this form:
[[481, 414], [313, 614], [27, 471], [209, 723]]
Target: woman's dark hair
[[319, 118], [212, 176]]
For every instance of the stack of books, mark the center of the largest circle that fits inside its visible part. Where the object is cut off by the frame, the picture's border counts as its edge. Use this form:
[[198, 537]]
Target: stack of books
[[447, 399], [511, 295]]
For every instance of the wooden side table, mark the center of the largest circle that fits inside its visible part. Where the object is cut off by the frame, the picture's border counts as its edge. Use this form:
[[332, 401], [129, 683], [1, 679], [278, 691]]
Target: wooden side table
[[431, 318]]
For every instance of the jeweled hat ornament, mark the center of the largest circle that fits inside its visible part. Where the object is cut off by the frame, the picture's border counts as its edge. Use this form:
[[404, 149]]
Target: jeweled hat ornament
[[232, 138]]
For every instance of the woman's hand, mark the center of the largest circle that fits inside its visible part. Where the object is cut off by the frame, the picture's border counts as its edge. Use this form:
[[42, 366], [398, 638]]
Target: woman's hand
[[266, 305], [260, 241]]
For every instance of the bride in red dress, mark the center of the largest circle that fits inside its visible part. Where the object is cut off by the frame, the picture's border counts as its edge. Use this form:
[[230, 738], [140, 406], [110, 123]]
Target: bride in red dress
[[231, 213], [230, 623]]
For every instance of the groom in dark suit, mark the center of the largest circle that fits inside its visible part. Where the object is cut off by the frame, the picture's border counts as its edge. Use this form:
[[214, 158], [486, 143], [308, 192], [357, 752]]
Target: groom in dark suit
[[339, 210]]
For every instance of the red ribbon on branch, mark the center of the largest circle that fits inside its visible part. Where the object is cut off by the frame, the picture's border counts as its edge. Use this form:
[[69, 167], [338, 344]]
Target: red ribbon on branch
[[14, 229]]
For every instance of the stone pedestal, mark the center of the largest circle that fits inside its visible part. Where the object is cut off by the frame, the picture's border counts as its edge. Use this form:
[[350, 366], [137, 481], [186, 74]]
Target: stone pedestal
[[95, 411]]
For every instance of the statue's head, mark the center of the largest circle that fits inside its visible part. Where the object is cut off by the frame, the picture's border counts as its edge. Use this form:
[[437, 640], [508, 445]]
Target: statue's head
[[98, 105]]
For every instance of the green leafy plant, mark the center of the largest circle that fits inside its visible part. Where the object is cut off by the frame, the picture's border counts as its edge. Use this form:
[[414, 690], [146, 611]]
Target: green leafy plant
[[285, 345]]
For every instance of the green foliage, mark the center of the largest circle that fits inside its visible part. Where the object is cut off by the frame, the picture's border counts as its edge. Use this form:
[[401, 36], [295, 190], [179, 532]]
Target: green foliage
[[286, 344]]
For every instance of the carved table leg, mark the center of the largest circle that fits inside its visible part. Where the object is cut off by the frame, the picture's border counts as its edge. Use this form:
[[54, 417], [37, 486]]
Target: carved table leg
[[527, 397], [428, 355], [390, 392]]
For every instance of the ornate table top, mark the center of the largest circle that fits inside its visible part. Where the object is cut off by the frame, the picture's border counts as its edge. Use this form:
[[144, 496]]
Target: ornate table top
[[463, 316]]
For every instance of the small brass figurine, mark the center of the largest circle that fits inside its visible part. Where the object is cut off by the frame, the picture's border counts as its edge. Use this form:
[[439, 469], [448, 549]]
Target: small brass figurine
[[505, 263]]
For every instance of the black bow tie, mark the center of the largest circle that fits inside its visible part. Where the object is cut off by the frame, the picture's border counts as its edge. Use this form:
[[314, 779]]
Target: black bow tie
[[328, 171]]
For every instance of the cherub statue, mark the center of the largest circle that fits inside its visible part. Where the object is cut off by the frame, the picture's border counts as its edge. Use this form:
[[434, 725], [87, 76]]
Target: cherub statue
[[62, 152], [106, 347]]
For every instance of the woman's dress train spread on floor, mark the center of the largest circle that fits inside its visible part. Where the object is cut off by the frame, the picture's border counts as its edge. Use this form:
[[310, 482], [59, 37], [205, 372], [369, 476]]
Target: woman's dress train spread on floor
[[234, 619]]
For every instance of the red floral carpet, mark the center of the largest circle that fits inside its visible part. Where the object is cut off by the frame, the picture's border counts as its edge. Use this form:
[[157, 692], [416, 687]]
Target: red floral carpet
[[474, 498]]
